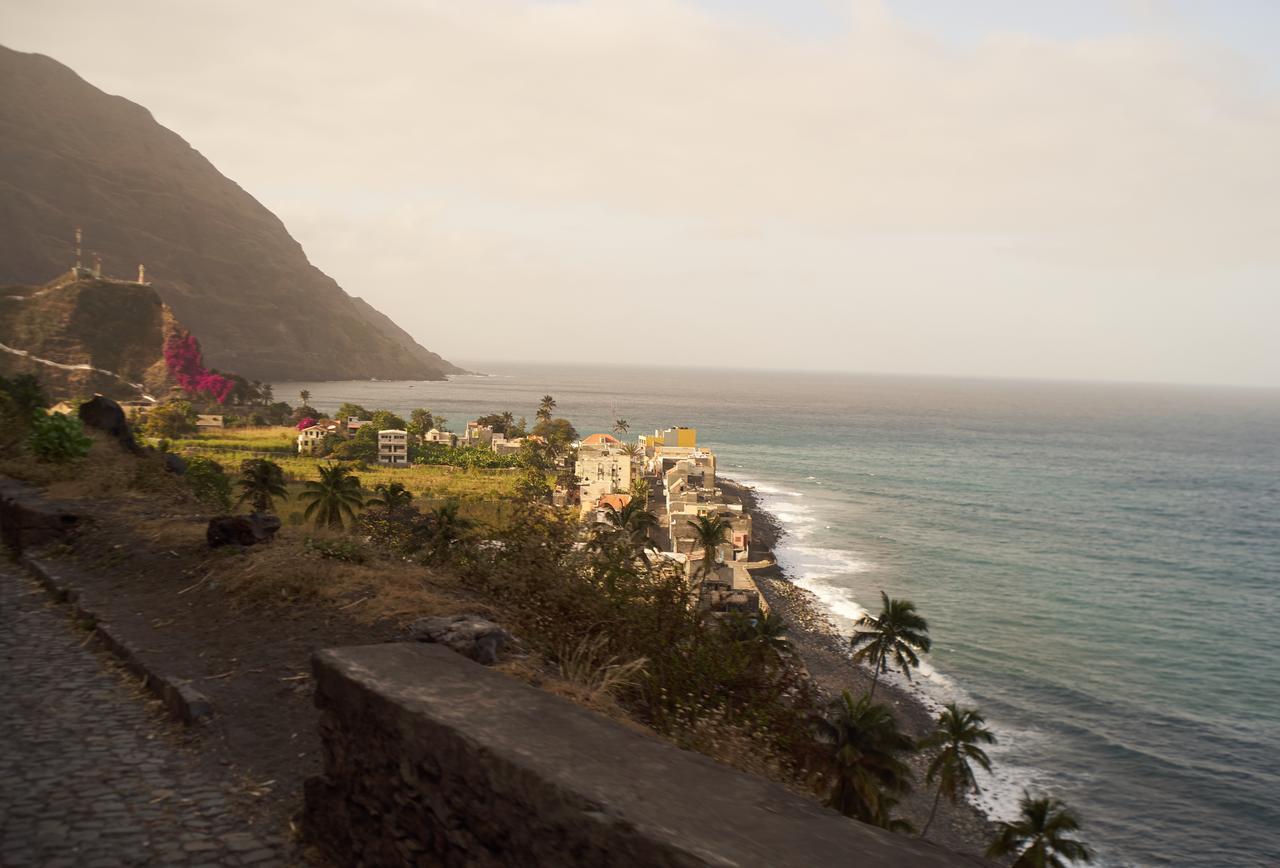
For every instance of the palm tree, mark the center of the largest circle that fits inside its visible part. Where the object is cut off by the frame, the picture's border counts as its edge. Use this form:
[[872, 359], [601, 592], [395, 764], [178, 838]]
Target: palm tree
[[335, 496], [446, 527], [897, 633], [620, 426], [764, 631], [508, 421], [709, 532], [390, 496], [633, 520], [1041, 835], [959, 732], [261, 481], [867, 747], [305, 396], [545, 406]]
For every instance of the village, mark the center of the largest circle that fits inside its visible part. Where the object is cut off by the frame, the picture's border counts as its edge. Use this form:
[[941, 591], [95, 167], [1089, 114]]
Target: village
[[672, 477]]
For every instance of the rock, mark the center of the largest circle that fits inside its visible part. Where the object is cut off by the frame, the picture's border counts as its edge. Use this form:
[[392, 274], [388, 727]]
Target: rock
[[241, 530], [174, 464], [106, 415], [470, 635]]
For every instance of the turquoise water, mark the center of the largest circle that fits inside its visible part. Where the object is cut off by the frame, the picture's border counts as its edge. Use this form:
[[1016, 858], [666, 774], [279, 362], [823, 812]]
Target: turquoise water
[[1099, 563]]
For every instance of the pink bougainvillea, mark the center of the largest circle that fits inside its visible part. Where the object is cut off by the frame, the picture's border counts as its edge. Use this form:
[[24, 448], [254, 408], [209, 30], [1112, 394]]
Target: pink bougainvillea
[[186, 366], [306, 423]]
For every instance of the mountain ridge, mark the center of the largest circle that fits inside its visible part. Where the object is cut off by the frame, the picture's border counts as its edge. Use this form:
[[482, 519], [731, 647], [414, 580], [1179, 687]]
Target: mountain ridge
[[72, 155]]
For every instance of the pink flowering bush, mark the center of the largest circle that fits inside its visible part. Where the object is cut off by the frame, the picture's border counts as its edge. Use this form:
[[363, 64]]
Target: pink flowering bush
[[186, 366], [306, 423]]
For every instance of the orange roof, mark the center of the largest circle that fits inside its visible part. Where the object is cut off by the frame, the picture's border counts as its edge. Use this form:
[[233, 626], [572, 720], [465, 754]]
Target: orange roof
[[598, 439], [617, 501]]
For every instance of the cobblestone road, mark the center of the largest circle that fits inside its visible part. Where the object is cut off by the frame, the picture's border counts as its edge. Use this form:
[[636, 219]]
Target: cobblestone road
[[90, 775]]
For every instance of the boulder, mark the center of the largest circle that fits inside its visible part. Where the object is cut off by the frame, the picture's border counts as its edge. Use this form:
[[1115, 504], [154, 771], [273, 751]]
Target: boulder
[[175, 464], [470, 635], [107, 416], [241, 530]]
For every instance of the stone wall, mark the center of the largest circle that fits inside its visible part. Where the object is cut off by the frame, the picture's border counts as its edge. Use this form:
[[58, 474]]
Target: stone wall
[[431, 759], [28, 518]]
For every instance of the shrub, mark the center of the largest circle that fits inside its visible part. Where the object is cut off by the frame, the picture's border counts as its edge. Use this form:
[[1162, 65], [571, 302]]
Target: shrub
[[209, 483], [336, 549], [58, 438]]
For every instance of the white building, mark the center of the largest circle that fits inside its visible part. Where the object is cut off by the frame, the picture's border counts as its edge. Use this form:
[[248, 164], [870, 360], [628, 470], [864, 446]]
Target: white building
[[603, 467], [393, 447]]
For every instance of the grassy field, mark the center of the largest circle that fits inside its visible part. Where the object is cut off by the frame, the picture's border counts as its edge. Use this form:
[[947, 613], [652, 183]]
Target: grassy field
[[484, 494]]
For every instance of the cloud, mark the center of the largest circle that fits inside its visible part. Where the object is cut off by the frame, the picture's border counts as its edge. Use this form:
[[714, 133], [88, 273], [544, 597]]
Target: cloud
[[532, 153]]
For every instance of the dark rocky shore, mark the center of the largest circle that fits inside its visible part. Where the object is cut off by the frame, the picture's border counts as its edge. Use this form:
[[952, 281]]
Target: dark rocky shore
[[824, 652]]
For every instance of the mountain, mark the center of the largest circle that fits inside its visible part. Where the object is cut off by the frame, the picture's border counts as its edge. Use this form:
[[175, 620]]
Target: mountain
[[71, 155]]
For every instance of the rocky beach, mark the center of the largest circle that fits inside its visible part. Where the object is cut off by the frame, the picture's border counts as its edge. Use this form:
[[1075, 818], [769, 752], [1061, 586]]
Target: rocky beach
[[824, 651]]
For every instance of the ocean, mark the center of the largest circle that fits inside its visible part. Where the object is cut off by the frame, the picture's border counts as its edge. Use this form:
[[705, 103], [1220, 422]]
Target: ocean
[[1099, 563]]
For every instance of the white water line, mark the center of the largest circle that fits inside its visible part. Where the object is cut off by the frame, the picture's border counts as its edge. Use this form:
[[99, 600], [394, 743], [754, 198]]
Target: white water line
[[82, 367]]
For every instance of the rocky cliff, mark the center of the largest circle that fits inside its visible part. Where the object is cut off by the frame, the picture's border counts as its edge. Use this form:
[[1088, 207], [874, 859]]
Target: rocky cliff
[[71, 155], [81, 336]]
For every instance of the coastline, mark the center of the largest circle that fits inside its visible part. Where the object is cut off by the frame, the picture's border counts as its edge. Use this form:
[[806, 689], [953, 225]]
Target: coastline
[[823, 650]]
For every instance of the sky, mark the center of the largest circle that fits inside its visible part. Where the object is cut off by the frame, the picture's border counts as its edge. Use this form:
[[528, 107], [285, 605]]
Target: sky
[[1085, 190]]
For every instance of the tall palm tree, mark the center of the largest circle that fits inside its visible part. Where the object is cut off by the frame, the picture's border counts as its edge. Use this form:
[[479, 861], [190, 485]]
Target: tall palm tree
[[867, 747], [1041, 835], [335, 496], [390, 496], [545, 406], [305, 396], [710, 532], [959, 732], [620, 426], [261, 481], [508, 421], [633, 520], [896, 633]]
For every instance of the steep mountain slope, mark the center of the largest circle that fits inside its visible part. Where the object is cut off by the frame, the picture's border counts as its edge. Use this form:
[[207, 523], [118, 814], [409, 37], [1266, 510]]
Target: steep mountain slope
[[71, 155], [84, 336]]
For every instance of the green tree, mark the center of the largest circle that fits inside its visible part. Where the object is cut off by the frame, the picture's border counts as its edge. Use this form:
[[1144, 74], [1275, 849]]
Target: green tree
[[335, 496], [867, 750], [391, 495], [640, 489], [533, 485], [349, 409], [545, 408], [26, 397], [261, 482], [709, 533], [896, 633], [420, 422], [1041, 836], [170, 420], [620, 426], [558, 433], [208, 482], [305, 395], [958, 736]]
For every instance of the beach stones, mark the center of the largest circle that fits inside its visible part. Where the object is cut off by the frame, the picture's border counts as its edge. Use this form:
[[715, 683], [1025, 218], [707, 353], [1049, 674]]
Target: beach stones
[[470, 635]]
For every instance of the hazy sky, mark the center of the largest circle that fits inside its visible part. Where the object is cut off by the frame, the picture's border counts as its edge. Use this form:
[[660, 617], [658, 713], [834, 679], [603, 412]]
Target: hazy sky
[[1077, 190]]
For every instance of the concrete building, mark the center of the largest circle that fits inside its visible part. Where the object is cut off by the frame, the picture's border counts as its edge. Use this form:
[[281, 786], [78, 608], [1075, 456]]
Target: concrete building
[[444, 438], [208, 420], [393, 447], [603, 467], [354, 424], [310, 438]]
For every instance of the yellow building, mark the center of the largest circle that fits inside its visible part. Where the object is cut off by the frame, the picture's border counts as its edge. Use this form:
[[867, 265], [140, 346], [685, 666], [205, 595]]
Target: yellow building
[[676, 436]]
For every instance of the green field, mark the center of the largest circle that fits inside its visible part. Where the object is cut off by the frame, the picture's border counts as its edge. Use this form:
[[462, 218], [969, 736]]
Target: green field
[[484, 494]]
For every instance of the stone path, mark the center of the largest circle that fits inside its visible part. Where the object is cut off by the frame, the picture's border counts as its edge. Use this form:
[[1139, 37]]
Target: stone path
[[90, 774]]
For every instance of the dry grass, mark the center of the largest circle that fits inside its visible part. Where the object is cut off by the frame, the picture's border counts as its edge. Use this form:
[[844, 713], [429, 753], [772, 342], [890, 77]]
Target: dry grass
[[288, 571], [588, 664]]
